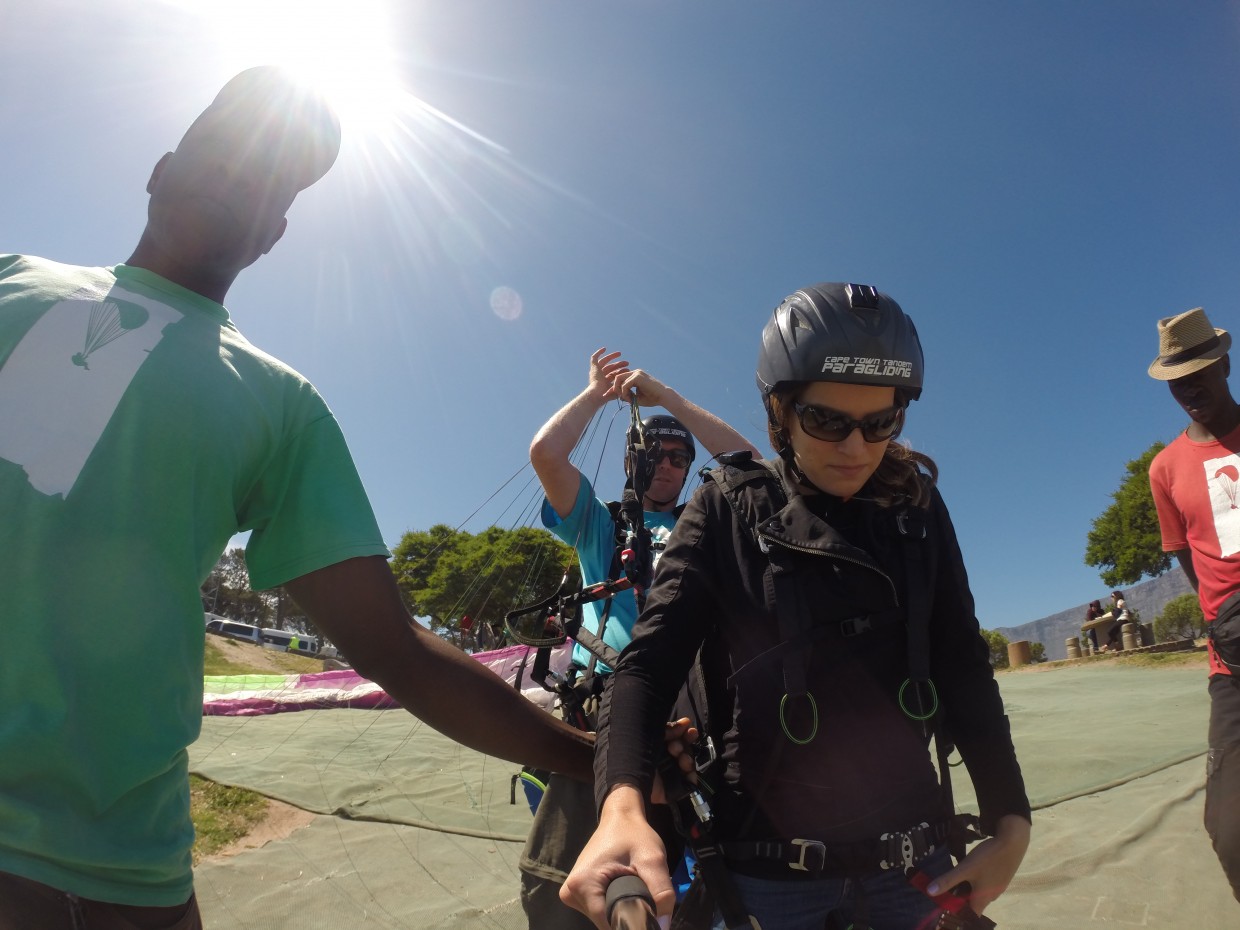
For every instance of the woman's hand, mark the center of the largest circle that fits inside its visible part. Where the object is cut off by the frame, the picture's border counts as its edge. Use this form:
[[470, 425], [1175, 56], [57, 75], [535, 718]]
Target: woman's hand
[[623, 844], [990, 866]]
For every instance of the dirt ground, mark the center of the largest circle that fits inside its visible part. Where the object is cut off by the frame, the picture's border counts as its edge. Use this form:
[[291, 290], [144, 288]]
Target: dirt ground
[[280, 821]]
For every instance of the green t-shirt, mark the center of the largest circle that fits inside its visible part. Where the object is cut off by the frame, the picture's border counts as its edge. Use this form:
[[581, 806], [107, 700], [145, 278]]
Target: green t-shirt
[[139, 431]]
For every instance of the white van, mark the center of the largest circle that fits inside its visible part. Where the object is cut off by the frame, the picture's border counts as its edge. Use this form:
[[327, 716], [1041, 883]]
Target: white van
[[280, 640], [275, 639], [221, 626]]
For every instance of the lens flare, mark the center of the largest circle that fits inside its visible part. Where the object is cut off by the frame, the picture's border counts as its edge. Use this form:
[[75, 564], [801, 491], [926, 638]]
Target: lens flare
[[506, 303]]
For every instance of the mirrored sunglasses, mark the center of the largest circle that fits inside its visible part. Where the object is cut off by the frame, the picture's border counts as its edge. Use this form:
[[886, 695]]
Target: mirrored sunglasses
[[680, 458], [833, 426]]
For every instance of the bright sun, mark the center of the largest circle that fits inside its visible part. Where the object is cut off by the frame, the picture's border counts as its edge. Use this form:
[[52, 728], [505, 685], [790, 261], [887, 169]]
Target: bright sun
[[340, 46]]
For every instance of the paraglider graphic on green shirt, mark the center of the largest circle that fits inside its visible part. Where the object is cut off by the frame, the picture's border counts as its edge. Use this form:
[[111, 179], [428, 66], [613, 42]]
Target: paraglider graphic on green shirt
[[53, 412], [109, 320]]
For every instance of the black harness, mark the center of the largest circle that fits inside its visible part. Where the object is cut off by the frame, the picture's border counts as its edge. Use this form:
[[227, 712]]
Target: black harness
[[797, 858]]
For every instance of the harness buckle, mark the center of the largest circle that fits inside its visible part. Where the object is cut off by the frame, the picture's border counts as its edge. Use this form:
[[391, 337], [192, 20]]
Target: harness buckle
[[917, 530], [905, 850], [704, 754], [854, 625], [815, 850]]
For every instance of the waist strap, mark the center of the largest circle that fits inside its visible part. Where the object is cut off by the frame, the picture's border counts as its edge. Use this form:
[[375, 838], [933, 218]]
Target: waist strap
[[804, 858]]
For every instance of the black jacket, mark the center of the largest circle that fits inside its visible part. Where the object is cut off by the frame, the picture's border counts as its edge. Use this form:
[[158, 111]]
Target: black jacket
[[868, 769]]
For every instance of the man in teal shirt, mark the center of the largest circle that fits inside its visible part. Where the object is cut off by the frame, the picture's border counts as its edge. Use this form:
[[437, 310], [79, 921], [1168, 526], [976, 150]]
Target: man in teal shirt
[[141, 431], [565, 817]]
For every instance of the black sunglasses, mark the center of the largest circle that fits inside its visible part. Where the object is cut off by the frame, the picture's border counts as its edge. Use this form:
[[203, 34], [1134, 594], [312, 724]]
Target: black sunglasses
[[833, 426], [680, 458]]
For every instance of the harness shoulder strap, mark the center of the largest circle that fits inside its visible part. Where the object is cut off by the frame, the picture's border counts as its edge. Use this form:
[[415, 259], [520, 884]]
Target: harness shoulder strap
[[593, 642], [921, 568], [920, 564], [739, 471]]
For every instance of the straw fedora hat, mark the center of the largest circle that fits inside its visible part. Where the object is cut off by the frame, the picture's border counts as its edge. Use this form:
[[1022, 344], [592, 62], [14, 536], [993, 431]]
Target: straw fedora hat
[[1187, 343]]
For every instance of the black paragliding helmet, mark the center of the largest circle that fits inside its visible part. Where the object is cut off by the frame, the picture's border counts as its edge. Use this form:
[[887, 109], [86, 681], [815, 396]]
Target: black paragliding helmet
[[850, 333]]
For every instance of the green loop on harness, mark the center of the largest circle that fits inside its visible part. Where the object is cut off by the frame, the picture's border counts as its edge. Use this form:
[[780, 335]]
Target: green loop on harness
[[783, 722], [531, 779], [904, 707]]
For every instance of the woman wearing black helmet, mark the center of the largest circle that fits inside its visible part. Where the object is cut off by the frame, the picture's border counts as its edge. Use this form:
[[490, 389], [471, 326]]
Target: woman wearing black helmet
[[827, 594]]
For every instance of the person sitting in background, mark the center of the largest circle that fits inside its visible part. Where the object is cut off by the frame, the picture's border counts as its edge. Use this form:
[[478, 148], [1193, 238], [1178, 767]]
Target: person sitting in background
[[1092, 613], [1119, 612]]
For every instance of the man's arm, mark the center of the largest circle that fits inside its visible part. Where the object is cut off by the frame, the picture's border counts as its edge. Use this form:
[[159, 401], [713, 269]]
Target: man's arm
[[1171, 521], [557, 438], [357, 605], [1185, 558], [715, 436]]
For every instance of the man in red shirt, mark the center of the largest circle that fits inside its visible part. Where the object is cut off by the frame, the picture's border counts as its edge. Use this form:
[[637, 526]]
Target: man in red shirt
[[1195, 481]]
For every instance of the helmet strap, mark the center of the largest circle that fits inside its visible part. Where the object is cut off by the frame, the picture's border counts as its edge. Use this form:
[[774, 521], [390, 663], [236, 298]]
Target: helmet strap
[[800, 476]]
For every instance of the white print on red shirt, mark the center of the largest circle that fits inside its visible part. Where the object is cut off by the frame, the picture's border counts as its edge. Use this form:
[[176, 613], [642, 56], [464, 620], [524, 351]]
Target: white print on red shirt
[[1223, 482]]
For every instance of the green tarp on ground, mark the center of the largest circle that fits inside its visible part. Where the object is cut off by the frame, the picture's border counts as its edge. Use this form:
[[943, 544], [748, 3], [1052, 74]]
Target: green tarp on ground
[[1113, 757]]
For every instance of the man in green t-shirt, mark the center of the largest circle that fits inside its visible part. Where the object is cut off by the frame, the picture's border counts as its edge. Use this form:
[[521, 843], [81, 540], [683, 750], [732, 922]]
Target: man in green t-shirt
[[141, 431]]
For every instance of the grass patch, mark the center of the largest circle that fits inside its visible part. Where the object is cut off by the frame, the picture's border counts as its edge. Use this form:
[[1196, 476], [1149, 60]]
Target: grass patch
[[295, 664], [222, 815], [216, 663], [1163, 659]]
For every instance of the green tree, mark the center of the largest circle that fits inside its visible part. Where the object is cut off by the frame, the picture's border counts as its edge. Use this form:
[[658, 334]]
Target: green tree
[[227, 591], [1037, 653], [998, 644], [1125, 543], [446, 574], [1181, 618], [286, 615]]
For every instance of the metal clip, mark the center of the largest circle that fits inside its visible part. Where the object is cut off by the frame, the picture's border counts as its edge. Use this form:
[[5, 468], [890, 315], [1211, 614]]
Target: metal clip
[[854, 625], [905, 850], [818, 861], [701, 808], [902, 525], [704, 754]]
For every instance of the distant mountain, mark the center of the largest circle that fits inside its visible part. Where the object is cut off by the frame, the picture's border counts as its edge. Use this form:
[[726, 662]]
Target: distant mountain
[[1148, 597]]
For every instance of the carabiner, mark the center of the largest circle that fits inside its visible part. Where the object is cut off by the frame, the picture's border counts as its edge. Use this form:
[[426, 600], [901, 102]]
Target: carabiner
[[934, 696], [783, 721]]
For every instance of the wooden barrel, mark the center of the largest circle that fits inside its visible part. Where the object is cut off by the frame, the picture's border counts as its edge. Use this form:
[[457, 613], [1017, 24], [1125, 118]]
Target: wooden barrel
[[1073, 645], [1018, 653], [1132, 639]]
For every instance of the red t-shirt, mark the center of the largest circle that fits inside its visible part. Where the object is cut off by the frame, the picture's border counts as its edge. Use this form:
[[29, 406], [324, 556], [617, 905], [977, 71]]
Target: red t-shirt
[[1196, 488]]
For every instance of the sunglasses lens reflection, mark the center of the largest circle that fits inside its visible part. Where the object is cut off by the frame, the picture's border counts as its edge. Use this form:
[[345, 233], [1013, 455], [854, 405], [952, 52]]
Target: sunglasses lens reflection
[[876, 430], [678, 457], [833, 426]]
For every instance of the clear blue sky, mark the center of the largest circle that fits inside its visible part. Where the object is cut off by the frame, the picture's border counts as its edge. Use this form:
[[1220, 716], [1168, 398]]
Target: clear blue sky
[[1036, 183]]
